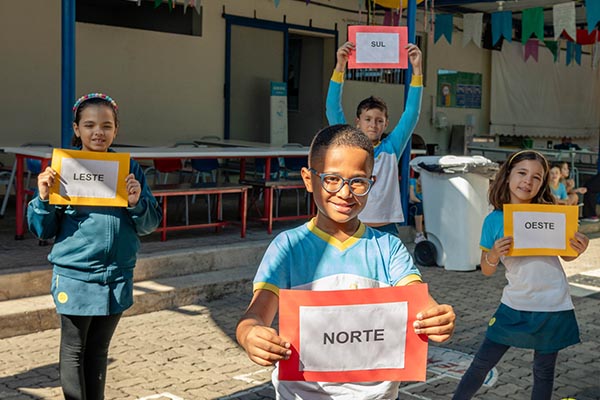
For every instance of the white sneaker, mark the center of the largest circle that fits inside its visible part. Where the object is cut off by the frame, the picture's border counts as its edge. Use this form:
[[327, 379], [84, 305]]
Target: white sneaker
[[420, 237]]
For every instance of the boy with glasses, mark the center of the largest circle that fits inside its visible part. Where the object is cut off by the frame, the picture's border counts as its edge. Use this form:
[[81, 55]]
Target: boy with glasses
[[333, 251]]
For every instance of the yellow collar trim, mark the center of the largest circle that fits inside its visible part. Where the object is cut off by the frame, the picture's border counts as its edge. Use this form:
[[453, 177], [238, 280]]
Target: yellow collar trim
[[336, 242]]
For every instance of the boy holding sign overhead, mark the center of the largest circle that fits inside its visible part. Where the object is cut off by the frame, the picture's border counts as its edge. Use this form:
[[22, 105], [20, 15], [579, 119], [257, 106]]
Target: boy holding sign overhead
[[384, 209], [536, 311], [333, 251]]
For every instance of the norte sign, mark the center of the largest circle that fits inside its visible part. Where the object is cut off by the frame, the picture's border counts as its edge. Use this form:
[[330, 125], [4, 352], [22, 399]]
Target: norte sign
[[360, 335]]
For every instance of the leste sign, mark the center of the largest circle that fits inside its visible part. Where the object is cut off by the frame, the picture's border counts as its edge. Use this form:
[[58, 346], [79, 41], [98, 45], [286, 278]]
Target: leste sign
[[89, 178], [359, 335], [540, 229], [378, 46]]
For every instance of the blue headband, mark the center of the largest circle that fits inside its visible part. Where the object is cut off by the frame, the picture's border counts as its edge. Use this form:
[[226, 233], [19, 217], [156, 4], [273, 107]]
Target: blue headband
[[95, 96]]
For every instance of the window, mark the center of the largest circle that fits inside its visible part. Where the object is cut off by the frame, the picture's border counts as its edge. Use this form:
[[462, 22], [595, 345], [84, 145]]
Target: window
[[392, 76], [127, 14]]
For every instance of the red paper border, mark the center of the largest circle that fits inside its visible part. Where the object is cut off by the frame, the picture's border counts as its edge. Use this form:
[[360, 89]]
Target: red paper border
[[403, 42], [415, 363]]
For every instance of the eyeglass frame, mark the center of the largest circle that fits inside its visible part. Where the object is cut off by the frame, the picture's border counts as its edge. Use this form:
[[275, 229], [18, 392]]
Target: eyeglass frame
[[345, 181]]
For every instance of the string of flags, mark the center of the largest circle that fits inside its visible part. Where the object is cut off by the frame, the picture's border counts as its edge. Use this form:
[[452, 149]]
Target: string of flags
[[195, 4], [532, 25], [532, 30]]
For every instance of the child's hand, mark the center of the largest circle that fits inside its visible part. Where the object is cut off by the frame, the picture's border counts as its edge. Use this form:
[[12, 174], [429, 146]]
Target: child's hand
[[581, 190], [134, 190], [45, 182], [437, 322], [343, 54], [579, 243], [415, 58], [264, 346], [501, 247]]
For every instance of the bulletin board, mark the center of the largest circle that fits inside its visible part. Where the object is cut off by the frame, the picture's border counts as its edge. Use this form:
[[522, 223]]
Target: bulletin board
[[458, 89]]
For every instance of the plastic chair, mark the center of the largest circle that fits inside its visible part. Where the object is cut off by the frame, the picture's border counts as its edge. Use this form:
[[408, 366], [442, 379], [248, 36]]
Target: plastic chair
[[291, 171], [206, 170]]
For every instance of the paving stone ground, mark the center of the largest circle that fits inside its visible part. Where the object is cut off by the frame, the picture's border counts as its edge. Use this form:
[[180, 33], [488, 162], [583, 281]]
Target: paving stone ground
[[190, 352]]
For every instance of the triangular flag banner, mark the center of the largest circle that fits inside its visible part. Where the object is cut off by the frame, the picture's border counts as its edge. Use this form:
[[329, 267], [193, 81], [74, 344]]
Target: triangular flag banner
[[501, 26], [583, 37], [564, 19], [139, 3], [554, 48], [596, 55], [307, 1], [171, 4], [387, 18], [444, 27], [573, 49], [157, 3], [276, 3], [592, 10], [533, 23], [531, 49], [472, 28]]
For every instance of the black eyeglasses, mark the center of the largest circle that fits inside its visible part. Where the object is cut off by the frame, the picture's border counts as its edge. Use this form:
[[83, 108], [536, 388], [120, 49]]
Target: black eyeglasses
[[333, 183]]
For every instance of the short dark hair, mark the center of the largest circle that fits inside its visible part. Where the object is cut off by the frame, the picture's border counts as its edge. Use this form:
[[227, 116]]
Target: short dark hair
[[340, 135], [370, 103], [499, 193]]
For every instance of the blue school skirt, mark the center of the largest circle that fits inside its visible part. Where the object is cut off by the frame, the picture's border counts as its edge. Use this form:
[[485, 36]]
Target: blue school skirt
[[545, 332]]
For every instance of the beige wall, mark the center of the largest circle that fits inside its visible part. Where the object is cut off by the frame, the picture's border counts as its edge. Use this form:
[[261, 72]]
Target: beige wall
[[170, 87]]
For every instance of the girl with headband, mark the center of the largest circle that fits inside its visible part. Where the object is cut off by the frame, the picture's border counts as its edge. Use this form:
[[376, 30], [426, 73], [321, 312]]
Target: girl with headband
[[94, 254], [536, 311]]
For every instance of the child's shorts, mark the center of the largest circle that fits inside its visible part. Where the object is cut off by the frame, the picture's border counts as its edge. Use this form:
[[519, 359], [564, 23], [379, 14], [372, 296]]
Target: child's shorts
[[546, 332], [415, 209]]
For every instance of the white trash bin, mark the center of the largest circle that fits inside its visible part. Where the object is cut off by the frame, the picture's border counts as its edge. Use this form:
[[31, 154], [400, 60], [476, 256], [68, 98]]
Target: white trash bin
[[455, 203]]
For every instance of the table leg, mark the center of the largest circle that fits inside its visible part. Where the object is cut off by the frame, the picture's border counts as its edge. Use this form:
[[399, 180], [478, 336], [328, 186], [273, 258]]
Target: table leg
[[244, 195], [20, 199], [163, 234]]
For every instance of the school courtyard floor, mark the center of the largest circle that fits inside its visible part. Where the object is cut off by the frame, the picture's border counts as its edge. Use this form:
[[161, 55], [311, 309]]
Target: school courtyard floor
[[190, 352]]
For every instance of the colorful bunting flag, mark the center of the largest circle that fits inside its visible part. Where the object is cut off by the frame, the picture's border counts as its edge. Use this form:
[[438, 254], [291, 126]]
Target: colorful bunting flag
[[501, 26], [596, 55], [531, 49], [583, 37], [592, 11], [472, 28], [573, 49], [157, 3], [564, 19], [533, 23], [554, 48], [444, 27], [276, 3]]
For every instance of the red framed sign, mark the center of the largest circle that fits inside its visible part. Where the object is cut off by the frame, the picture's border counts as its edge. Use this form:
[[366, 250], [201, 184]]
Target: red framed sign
[[378, 47], [363, 335]]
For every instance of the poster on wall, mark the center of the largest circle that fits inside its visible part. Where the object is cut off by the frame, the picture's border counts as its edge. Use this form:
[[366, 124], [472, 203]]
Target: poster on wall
[[458, 89], [279, 117]]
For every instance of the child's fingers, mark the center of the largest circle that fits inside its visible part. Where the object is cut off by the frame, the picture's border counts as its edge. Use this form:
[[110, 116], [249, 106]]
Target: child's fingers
[[436, 322], [265, 347]]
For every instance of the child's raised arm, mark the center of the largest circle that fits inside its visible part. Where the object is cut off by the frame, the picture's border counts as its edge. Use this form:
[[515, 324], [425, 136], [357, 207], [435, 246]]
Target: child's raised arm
[[254, 333], [342, 55]]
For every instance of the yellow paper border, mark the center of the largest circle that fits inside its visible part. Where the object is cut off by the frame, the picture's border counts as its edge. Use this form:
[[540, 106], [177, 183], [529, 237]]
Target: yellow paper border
[[571, 213], [120, 199]]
